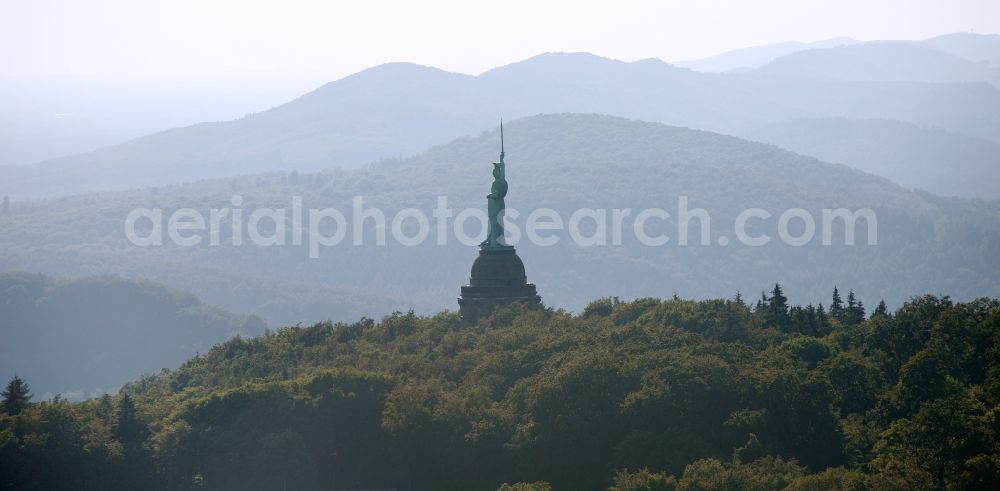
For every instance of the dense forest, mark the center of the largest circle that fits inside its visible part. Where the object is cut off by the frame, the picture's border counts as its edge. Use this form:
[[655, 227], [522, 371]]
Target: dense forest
[[926, 243], [649, 394]]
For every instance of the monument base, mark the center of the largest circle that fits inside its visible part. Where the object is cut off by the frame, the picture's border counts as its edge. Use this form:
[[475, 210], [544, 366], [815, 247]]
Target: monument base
[[497, 279]]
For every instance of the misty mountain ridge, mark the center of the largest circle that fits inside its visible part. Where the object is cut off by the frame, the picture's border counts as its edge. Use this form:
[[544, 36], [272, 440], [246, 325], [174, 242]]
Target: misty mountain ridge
[[745, 59], [971, 46], [45, 119], [398, 109], [882, 61]]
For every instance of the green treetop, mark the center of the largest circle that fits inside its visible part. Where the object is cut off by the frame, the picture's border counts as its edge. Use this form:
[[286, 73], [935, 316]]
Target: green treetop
[[16, 396]]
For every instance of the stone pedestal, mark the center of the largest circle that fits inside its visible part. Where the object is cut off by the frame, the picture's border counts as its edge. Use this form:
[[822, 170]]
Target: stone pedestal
[[497, 279]]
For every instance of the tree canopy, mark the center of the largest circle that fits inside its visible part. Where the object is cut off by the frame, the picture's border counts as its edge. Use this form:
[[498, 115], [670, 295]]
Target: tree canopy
[[646, 394]]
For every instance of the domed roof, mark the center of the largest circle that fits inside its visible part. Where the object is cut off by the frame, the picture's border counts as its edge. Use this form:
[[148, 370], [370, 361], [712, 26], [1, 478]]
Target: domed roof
[[499, 267]]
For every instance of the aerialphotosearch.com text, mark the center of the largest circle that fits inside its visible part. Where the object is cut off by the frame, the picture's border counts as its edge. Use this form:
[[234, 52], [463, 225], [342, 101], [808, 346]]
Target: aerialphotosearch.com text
[[319, 228]]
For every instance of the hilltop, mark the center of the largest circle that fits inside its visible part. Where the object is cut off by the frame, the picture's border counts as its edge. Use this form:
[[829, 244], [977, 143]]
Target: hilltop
[[926, 244]]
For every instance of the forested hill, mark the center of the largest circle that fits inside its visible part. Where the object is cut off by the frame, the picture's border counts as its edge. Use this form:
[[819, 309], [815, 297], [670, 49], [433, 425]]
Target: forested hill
[[926, 244], [932, 159], [84, 336], [644, 395]]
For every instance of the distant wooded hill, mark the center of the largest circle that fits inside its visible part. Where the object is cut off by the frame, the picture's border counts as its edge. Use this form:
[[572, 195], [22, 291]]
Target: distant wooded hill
[[926, 243], [397, 109], [933, 159], [972, 47], [745, 59], [883, 61], [89, 335]]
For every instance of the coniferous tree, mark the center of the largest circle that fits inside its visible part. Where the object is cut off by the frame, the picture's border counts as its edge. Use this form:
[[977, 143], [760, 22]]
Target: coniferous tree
[[812, 320], [881, 310], [836, 305], [797, 319], [822, 321], [777, 309], [6, 205], [16, 396], [803, 320], [855, 312]]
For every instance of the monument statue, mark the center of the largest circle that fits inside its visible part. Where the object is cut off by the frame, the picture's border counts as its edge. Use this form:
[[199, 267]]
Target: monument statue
[[497, 274], [495, 203]]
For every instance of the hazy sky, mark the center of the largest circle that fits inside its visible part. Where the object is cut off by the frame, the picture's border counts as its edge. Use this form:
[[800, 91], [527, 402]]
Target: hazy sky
[[315, 39]]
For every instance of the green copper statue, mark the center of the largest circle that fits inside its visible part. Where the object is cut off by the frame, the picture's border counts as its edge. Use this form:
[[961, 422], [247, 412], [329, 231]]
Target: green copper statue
[[495, 204]]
